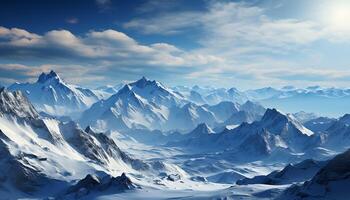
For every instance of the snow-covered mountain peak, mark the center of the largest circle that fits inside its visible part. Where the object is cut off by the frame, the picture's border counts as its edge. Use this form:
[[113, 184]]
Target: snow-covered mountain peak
[[53, 96], [252, 107], [88, 129], [275, 118], [146, 83], [233, 90], [51, 76], [249, 103], [141, 83]]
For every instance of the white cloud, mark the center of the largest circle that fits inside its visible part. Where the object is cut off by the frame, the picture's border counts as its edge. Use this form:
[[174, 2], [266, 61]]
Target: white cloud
[[239, 44], [108, 45], [229, 23], [166, 24]]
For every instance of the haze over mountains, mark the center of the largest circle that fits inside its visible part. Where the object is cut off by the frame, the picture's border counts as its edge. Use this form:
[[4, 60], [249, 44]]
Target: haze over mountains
[[67, 142], [61, 96]]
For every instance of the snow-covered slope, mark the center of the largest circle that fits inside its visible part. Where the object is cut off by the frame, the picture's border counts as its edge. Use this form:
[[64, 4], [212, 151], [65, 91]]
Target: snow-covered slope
[[240, 117], [223, 110], [222, 94], [248, 112], [303, 117], [331, 182], [104, 92], [229, 177], [190, 94], [319, 124], [254, 108], [292, 173], [52, 95], [38, 152], [337, 135], [196, 135], [189, 116]]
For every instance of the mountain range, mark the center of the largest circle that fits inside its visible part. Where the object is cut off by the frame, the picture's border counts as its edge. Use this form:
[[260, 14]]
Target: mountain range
[[38, 153], [144, 138], [147, 104], [62, 98]]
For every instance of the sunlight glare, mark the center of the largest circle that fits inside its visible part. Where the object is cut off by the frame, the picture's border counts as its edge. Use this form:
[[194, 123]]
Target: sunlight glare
[[336, 15]]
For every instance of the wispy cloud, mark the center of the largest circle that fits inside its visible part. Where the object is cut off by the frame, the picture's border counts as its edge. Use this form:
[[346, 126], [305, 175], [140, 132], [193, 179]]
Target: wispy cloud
[[158, 6], [104, 5], [72, 20], [166, 24], [254, 47]]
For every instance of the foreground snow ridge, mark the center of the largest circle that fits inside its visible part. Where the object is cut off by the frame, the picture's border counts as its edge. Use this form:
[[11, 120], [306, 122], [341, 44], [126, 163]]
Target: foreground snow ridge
[[144, 140]]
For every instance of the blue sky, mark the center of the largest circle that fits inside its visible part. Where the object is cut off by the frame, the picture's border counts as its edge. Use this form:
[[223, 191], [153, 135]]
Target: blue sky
[[243, 44]]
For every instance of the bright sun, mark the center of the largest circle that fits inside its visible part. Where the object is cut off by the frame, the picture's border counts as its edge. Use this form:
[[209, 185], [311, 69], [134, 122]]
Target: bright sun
[[336, 14]]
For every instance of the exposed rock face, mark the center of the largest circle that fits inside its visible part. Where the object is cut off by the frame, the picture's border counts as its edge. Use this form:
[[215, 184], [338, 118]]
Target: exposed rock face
[[90, 182], [93, 183], [173, 177], [14, 103], [107, 147], [122, 182]]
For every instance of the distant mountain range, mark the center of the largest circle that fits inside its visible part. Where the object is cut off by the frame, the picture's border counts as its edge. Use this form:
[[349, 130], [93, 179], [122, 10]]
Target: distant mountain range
[[275, 134], [50, 94], [289, 99]]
